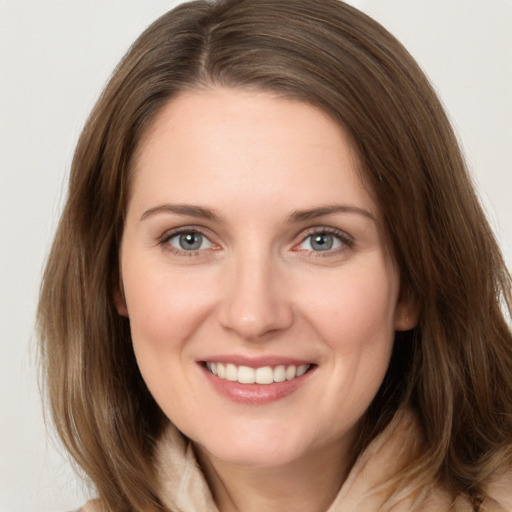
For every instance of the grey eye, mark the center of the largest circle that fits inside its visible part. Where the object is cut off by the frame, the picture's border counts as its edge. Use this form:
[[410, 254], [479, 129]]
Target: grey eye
[[191, 241], [320, 242]]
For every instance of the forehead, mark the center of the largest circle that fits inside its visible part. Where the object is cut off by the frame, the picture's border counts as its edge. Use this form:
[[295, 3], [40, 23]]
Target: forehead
[[227, 145]]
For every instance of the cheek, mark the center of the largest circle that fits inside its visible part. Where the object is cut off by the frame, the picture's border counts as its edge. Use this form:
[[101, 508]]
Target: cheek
[[164, 307], [165, 310], [355, 318], [357, 306]]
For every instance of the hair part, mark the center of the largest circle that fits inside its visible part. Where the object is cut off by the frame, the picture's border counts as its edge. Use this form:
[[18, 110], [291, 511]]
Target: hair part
[[455, 368]]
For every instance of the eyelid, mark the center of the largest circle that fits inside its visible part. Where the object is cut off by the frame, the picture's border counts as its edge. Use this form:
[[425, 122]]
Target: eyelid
[[176, 239], [346, 240], [171, 233]]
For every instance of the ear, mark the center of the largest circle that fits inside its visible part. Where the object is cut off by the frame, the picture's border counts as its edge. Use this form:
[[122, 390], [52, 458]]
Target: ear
[[407, 311], [120, 301]]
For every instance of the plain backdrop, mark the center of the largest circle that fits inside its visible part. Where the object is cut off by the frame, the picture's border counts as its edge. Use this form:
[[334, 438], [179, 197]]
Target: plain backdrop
[[56, 55]]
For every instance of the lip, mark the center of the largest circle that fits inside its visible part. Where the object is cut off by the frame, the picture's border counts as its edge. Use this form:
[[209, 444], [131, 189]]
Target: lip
[[255, 362], [256, 394]]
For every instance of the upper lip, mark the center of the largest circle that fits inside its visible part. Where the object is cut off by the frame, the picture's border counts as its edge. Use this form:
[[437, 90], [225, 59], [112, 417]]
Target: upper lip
[[256, 362]]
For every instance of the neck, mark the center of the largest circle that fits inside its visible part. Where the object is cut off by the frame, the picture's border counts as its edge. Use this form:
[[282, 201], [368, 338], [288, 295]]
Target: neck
[[309, 484]]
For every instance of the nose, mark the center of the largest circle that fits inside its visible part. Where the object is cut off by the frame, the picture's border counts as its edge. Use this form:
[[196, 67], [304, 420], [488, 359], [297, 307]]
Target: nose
[[255, 303]]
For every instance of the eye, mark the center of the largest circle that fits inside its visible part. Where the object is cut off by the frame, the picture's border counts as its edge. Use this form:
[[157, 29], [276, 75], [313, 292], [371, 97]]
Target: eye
[[189, 241], [324, 241]]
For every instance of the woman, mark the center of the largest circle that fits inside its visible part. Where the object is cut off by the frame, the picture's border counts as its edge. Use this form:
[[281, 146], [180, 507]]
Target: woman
[[272, 286]]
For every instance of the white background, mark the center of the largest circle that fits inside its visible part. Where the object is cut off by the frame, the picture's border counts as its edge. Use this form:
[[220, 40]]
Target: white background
[[55, 56]]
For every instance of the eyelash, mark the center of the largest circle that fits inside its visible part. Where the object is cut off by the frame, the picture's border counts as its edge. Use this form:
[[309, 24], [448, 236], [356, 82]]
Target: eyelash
[[346, 241], [164, 241]]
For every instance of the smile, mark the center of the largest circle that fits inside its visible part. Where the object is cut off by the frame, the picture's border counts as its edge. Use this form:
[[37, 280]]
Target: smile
[[261, 375]]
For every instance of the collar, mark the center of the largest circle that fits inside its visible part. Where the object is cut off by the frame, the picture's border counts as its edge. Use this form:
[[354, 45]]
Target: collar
[[370, 486]]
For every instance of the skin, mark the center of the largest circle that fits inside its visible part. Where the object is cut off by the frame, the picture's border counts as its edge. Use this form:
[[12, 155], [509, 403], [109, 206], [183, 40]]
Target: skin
[[257, 287]]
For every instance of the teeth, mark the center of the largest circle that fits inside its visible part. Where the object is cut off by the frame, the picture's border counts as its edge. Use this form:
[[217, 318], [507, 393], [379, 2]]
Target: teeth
[[231, 372], [262, 375], [279, 373], [301, 370], [246, 375], [291, 372]]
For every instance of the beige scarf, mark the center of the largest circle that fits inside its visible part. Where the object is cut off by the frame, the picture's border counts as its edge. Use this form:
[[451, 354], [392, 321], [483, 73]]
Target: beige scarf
[[368, 487]]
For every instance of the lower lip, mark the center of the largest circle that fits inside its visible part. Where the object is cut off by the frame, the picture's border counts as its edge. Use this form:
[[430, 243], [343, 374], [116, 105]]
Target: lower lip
[[256, 394]]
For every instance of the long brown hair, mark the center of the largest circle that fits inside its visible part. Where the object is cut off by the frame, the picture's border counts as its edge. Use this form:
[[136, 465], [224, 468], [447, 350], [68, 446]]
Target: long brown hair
[[454, 369]]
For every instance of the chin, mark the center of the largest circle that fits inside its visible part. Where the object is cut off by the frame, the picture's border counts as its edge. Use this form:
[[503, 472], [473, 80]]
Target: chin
[[253, 450], [249, 457]]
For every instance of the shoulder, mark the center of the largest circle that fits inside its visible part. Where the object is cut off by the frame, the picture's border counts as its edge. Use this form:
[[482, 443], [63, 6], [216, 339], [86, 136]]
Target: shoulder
[[500, 493], [91, 506]]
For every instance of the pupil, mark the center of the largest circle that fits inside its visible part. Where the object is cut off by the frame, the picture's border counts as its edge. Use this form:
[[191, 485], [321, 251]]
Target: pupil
[[191, 241], [322, 242]]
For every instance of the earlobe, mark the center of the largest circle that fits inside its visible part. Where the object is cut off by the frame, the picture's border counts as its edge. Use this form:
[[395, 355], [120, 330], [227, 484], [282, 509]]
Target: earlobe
[[120, 302], [407, 313]]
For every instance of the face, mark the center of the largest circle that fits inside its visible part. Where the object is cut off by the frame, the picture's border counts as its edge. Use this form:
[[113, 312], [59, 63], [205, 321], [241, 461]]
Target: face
[[261, 297]]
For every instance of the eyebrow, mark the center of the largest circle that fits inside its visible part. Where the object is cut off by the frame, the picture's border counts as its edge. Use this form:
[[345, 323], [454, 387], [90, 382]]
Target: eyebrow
[[182, 209], [296, 216], [313, 213]]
